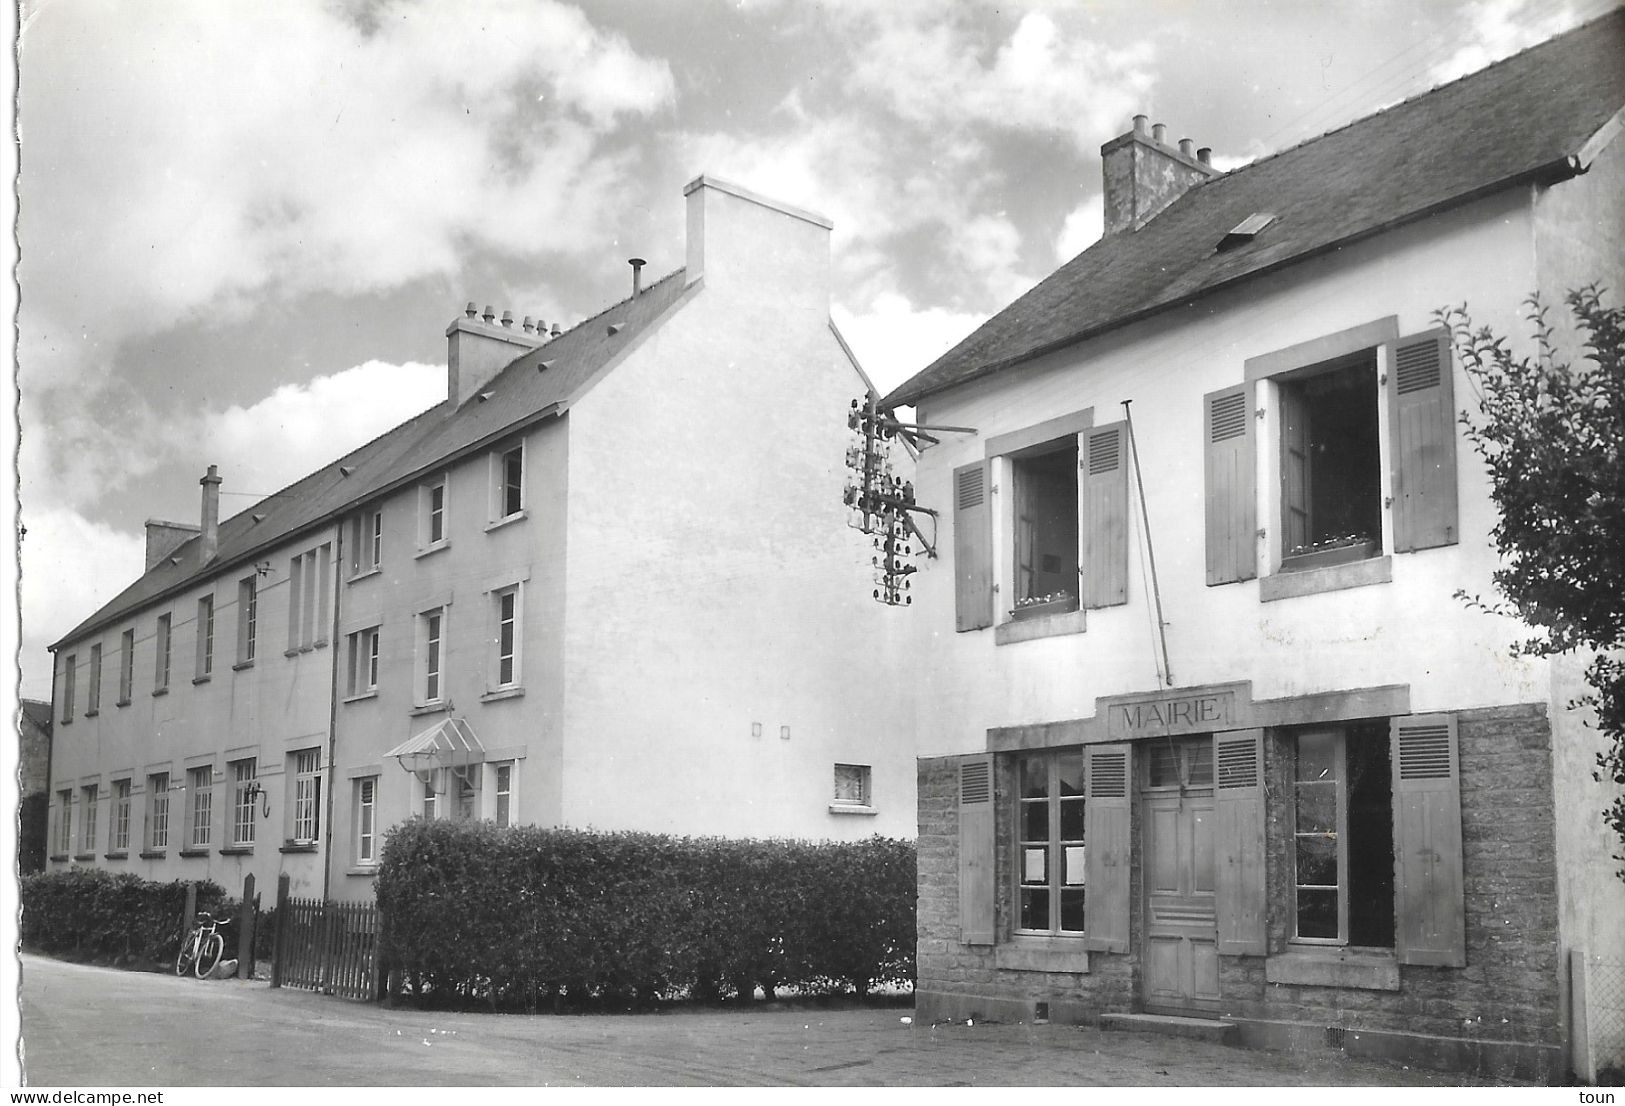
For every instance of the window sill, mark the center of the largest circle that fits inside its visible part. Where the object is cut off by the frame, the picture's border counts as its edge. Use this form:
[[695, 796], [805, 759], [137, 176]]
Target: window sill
[[240, 665], [84, 856], [59, 858], [852, 808], [237, 850], [508, 520], [119, 855], [436, 707], [201, 679], [368, 870], [65, 722], [1356, 969], [157, 691], [1031, 953], [502, 693], [432, 549], [92, 712], [153, 854], [362, 697], [298, 847], [122, 703], [363, 575], [1049, 625], [1312, 581], [193, 852]]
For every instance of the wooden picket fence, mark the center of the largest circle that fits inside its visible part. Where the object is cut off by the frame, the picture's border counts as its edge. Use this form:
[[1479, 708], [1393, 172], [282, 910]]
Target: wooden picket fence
[[331, 947]]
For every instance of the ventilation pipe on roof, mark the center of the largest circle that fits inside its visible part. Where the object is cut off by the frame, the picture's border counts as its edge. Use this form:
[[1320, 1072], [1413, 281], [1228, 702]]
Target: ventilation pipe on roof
[[637, 264], [211, 514]]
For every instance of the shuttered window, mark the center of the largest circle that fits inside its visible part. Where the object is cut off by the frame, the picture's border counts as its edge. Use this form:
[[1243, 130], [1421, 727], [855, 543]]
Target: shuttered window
[[1050, 876], [973, 549], [1431, 924], [1107, 771], [976, 850], [1240, 891], [1231, 505], [1422, 425], [1104, 496]]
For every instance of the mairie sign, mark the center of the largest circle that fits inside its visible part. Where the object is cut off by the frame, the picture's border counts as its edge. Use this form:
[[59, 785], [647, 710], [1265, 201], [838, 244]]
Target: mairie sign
[[1195, 712]]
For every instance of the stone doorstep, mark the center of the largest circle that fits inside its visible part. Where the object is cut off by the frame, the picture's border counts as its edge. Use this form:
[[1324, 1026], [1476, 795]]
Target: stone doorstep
[[1204, 1029]]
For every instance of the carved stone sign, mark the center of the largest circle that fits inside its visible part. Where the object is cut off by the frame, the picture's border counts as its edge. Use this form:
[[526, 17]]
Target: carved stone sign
[[1197, 711]]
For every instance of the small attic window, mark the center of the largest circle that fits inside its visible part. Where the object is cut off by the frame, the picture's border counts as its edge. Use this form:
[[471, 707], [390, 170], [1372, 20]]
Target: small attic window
[[1246, 230]]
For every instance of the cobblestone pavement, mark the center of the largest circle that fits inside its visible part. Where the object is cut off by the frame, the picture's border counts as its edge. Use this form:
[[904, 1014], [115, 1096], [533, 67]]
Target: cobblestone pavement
[[85, 1026]]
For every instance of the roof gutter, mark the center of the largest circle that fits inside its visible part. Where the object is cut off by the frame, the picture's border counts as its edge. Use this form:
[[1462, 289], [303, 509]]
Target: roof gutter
[[1551, 172]]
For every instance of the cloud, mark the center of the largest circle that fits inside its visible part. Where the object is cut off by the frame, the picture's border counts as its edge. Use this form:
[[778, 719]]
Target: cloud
[[1498, 29], [893, 339], [1083, 227]]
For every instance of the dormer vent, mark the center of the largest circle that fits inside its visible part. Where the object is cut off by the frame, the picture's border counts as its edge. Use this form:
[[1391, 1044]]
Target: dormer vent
[[543, 366], [1246, 230], [345, 470], [485, 396], [257, 519], [614, 329]]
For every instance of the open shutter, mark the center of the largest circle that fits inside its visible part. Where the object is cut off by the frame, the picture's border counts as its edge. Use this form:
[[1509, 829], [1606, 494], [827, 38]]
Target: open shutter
[[1238, 854], [1104, 483], [1107, 769], [1430, 922], [976, 850], [1296, 473], [1422, 421], [1232, 508], [973, 549]]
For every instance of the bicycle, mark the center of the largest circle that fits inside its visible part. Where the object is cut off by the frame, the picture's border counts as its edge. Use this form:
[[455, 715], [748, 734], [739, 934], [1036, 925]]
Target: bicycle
[[202, 950]]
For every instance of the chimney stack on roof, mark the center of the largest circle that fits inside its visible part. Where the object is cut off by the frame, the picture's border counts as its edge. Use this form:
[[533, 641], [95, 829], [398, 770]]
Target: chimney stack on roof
[[163, 538], [478, 346], [1144, 174], [210, 514]]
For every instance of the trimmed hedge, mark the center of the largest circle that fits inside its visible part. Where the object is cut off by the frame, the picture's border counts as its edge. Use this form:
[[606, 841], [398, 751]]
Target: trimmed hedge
[[509, 916], [123, 918]]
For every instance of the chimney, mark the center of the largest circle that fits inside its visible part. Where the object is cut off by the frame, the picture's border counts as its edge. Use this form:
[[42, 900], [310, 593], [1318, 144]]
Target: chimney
[[163, 538], [1144, 174], [637, 264], [756, 247], [478, 347], [210, 515]]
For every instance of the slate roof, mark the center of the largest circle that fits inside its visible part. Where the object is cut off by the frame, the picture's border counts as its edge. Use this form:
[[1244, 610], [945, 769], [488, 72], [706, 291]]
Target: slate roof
[[1522, 119], [520, 394]]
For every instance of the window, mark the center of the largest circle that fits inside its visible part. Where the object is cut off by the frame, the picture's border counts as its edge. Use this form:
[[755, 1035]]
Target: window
[[93, 700], [307, 797], [160, 676], [248, 603], [205, 637], [468, 798], [69, 665], [158, 811], [1046, 530], [430, 627], [1343, 845], [87, 819], [64, 822], [851, 785], [244, 794], [309, 596], [1331, 482], [1050, 843], [507, 638], [126, 667], [504, 794], [366, 542], [200, 806], [120, 842], [363, 663], [366, 820], [431, 798], [432, 514], [508, 483]]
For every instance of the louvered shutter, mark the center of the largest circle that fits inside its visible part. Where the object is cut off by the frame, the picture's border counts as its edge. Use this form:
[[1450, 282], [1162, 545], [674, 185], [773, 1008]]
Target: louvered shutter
[[1107, 852], [1429, 913], [1422, 419], [1232, 509], [1238, 854], [1104, 481], [976, 850], [973, 549]]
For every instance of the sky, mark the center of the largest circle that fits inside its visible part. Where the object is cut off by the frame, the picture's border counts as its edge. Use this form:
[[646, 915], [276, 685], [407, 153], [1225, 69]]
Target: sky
[[242, 229]]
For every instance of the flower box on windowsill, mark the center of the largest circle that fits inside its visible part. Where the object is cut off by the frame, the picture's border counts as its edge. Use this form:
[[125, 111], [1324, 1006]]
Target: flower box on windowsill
[[1055, 604], [1323, 558]]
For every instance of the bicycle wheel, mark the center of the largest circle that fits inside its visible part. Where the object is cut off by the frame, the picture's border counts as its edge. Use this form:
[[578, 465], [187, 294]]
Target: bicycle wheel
[[213, 946], [187, 954]]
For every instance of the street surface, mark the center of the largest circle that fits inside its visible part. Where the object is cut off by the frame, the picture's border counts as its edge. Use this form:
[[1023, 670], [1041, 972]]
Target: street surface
[[97, 1027]]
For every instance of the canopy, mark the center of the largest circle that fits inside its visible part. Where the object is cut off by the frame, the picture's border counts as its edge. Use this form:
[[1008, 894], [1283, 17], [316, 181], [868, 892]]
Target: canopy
[[450, 743]]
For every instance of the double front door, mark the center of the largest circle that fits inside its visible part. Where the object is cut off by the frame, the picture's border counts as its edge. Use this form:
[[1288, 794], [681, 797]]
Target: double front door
[[1180, 955]]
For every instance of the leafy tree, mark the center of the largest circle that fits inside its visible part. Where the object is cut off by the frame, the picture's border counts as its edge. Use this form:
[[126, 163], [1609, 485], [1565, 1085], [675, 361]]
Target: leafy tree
[[1553, 435]]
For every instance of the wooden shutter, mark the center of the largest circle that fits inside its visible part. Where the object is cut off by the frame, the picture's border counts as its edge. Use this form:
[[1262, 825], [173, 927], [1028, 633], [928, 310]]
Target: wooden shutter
[[1238, 854], [973, 549], [1296, 472], [1108, 778], [1232, 508], [976, 850], [1429, 913], [1422, 420], [1104, 484]]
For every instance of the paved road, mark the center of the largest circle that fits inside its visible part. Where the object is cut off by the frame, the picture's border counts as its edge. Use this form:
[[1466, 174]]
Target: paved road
[[85, 1026]]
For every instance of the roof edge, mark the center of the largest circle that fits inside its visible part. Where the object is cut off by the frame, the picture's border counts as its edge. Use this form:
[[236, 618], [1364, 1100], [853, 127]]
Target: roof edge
[[705, 180]]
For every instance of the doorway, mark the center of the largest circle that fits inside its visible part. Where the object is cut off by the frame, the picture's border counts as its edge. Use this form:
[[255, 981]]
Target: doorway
[[1180, 959]]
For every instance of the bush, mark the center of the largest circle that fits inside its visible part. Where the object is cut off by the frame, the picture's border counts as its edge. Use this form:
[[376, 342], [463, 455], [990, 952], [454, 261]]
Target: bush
[[90, 913], [513, 916]]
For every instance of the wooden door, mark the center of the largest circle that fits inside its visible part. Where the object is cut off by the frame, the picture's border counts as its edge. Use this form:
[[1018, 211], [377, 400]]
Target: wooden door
[[1181, 959]]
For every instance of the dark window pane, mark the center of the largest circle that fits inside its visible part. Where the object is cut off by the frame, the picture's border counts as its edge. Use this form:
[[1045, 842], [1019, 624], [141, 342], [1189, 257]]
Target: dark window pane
[[1034, 909], [1317, 913], [1071, 819], [1035, 777], [1069, 773], [1317, 861], [1035, 821], [1317, 756], [1317, 808], [1072, 911], [1164, 765], [1201, 762]]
